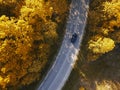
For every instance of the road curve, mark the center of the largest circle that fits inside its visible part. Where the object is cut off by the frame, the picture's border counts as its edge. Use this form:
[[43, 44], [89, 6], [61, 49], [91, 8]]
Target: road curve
[[60, 70]]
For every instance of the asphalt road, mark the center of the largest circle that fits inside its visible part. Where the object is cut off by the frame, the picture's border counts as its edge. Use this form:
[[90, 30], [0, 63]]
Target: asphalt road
[[65, 60]]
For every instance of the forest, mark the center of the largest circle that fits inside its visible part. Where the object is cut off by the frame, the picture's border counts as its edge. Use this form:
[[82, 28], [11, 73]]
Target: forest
[[30, 30]]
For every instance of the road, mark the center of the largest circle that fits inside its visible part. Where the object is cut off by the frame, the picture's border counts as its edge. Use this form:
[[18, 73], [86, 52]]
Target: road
[[65, 60]]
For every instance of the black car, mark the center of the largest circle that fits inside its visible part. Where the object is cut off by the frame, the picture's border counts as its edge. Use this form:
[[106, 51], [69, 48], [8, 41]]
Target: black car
[[74, 38]]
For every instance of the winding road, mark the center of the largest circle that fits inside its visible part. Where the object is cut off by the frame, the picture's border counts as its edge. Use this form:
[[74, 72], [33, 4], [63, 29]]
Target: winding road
[[65, 60]]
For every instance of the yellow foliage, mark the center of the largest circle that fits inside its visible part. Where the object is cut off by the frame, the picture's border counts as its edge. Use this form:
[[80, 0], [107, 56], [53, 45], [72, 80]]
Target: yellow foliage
[[102, 45], [112, 12], [26, 38], [103, 21]]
